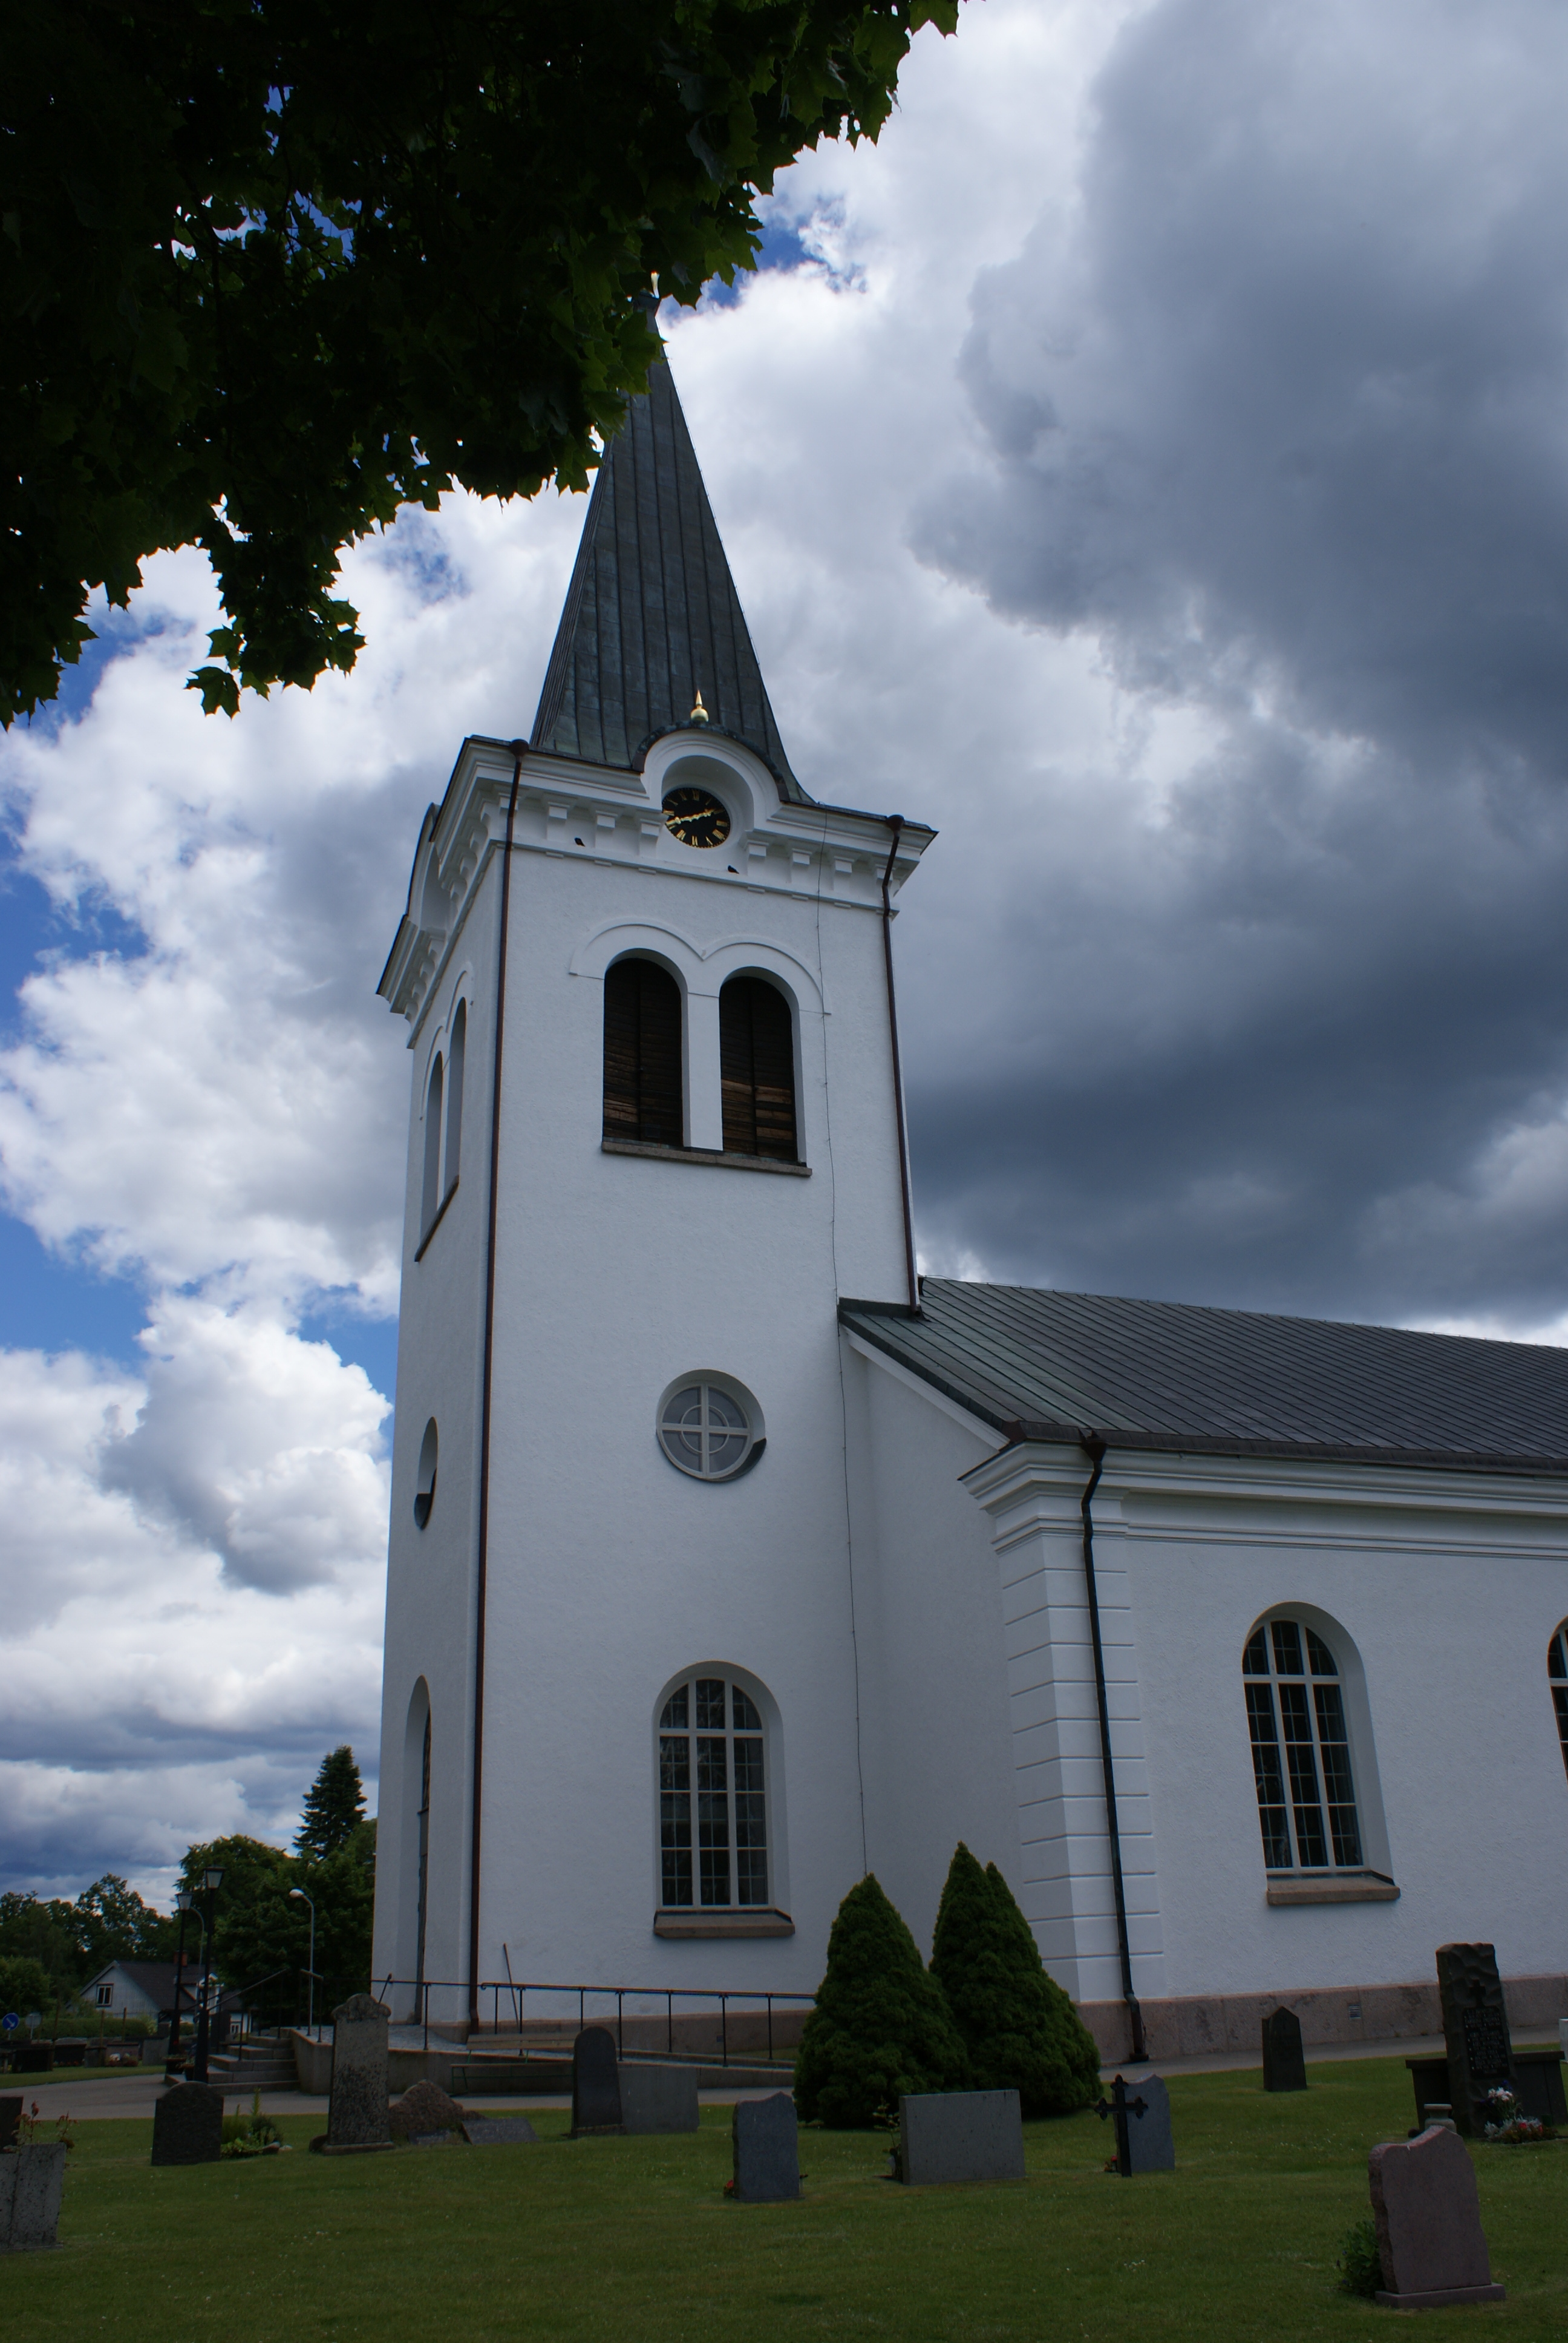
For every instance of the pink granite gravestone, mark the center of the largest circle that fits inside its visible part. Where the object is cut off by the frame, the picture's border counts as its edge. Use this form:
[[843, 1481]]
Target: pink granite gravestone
[[1430, 2239]]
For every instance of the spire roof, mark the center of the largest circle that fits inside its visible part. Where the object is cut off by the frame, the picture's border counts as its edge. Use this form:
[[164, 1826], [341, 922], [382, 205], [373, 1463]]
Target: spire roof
[[651, 616]]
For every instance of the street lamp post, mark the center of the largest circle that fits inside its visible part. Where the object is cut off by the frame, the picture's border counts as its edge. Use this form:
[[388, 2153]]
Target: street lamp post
[[310, 1972], [212, 1880], [172, 2057]]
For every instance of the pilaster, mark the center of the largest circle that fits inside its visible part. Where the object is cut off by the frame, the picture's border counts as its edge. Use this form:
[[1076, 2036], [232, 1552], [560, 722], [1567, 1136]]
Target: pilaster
[[1031, 1494]]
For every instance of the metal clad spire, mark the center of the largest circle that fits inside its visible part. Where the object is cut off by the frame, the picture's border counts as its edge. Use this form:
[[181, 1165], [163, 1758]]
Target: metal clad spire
[[651, 616]]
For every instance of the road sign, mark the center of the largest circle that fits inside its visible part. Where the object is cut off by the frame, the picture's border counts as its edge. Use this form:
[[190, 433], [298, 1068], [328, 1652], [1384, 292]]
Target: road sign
[[10, 2021]]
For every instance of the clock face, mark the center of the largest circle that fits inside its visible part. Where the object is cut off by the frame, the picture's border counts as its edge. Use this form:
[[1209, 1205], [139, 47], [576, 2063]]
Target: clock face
[[696, 817]]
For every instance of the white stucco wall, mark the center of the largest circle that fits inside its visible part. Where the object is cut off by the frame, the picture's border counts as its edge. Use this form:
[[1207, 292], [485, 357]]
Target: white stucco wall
[[934, 1707], [610, 1571]]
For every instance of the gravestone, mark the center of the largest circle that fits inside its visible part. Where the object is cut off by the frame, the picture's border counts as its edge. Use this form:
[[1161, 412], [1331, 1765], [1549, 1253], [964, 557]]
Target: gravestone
[[596, 2084], [766, 2140], [655, 2098], [1149, 2141], [31, 2180], [946, 2136], [187, 2125], [357, 2111], [33, 2058], [1141, 2115], [1475, 2030], [10, 2118], [1284, 2067], [423, 2109], [498, 2131], [1430, 2239]]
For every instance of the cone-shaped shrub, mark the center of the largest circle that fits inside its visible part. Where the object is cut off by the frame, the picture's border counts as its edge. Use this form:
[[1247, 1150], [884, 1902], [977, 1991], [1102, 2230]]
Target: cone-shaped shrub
[[1021, 2030], [880, 2025]]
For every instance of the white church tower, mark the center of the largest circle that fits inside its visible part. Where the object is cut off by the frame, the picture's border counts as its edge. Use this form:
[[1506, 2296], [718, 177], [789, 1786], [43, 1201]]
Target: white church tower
[[655, 1136]]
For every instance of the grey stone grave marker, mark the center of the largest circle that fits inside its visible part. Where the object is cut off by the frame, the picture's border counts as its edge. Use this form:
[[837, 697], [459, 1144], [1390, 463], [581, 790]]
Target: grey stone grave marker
[[954, 2136], [1430, 2239], [1141, 2114], [10, 2119], [766, 2138], [357, 2113], [1475, 2030], [596, 2084], [1284, 2067], [498, 2131], [423, 2112], [31, 2180], [657, 2098], [187, 2125]]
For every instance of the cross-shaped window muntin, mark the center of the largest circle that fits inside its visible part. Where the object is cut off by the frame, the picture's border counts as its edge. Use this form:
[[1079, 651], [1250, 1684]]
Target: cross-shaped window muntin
[[705, 1431], [1300, 1750], [712, 1797]]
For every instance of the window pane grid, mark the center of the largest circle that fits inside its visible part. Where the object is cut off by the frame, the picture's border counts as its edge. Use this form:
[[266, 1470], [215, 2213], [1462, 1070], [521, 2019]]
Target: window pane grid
[[723, 1775], [705, 1431], [1306, 1803]]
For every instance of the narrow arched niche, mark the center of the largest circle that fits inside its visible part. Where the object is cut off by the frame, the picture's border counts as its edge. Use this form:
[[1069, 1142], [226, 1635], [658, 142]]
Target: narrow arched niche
[[425, 1480]]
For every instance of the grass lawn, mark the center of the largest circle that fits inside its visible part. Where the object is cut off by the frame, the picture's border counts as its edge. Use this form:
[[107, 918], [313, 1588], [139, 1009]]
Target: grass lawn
[[633, 2239]]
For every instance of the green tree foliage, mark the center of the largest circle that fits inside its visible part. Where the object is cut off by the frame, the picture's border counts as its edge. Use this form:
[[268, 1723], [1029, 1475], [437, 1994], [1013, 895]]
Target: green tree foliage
[[1021, 2030], [47, 1932], [881, 2026], [24, 1984], [114, 1924], [261, 1934], [72, 1942], [334, 1806], [271, 268]]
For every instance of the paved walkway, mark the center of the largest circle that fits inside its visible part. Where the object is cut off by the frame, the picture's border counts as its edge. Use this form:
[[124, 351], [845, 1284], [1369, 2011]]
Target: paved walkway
[[88, 2095]]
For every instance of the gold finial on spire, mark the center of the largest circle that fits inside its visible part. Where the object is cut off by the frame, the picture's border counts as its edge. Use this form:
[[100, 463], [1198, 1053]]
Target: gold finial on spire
[[698, 714]]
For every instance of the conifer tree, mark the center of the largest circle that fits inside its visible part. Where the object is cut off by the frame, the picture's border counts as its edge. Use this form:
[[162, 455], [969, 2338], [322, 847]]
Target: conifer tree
[[334, 1806], [881, 2026], [1021, 2030]]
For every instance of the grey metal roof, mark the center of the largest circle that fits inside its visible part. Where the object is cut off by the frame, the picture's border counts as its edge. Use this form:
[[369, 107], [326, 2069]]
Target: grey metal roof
[[652, 615], [1177, 1376]]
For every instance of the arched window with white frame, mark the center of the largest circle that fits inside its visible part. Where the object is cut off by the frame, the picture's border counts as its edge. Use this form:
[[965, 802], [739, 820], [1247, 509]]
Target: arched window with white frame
[[714, 1846], [1302, 1764], [1557, 1675]]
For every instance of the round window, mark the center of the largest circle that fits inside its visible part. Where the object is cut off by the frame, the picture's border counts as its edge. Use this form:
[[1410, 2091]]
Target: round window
[[709, 1429]]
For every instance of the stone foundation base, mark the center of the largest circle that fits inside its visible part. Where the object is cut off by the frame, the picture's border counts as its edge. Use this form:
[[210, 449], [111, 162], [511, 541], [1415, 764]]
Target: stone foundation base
[[1447, 2298], [1190, 2026]]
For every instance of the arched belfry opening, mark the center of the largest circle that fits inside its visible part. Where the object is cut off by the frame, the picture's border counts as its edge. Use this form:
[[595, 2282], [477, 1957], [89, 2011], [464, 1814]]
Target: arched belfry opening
[[757, 1069], [643, 1090]]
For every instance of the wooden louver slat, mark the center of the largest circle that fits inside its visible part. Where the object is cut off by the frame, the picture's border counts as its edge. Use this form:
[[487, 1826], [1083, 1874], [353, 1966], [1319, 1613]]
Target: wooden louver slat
[[642, 1085], [757, 1069]]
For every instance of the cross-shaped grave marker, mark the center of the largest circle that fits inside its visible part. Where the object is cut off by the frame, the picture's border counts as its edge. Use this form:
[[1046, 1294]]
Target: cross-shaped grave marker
[[1148, 2148], [1119, 2108]]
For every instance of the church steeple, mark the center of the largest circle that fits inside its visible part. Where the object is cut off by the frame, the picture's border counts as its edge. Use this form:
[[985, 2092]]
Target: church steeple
[[652, 622]]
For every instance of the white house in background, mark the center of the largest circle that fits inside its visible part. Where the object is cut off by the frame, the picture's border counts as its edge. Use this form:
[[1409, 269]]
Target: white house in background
[[728, 1561], [137, 1989]]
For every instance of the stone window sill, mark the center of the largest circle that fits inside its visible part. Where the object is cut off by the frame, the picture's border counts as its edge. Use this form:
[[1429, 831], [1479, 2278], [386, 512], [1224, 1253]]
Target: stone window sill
[[723, 1924], [704, 1155], [1333, 1887]]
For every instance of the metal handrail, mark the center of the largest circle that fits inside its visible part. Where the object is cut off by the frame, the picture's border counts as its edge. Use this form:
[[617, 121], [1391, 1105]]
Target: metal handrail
[[515, 1989]]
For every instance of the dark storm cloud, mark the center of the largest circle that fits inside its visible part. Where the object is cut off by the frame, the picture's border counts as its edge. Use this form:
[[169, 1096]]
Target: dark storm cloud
[[1280, 416]]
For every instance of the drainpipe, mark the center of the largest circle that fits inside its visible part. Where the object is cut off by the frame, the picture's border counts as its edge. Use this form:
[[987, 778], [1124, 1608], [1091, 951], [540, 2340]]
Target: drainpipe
[[897, 822], [1094, 1448], [519, 751]]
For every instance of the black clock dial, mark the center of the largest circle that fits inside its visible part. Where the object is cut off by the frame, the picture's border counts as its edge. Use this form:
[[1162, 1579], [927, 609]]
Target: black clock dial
[[696, 817]]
